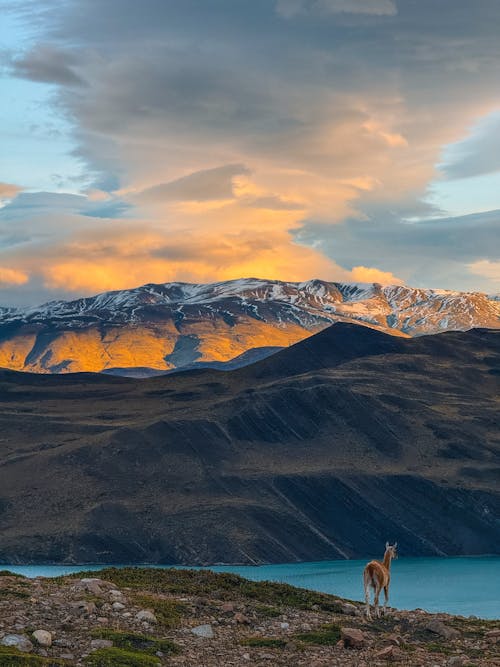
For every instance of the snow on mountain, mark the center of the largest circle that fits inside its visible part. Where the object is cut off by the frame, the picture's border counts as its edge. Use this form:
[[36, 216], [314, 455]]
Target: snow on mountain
[[174, 324]]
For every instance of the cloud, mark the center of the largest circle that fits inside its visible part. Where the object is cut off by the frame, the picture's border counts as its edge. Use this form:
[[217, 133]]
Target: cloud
[[66, 251], [365, 274], [272, 202], [296, 146], [487, 269], [204, 185], [10, 276], [47, 64], [432, 253], [290, 8], [28, 205], [478, 153], [8, 190]]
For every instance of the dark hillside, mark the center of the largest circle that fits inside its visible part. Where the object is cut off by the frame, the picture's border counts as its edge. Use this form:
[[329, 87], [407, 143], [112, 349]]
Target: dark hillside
[[320, 451]]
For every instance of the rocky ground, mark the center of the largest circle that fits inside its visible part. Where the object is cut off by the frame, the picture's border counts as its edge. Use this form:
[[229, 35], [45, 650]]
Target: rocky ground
[[144, 617]]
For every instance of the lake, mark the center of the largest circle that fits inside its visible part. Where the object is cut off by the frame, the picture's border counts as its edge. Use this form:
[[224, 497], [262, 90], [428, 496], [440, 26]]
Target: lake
[[465, 585]]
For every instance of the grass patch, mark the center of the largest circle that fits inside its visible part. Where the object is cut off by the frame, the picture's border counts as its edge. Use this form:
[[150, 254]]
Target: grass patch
[[382, 624], [473, 628], [264, 611], [89, 597], [411, 648], [10, 657], [131, 641], [435, 647], [8, 573], [14, 593], [168, 612], [222, 585], [267, 642], [327, 634], [117, 657]]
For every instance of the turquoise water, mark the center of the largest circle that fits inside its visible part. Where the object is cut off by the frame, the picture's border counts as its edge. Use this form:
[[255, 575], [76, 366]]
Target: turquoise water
[[466, 586]]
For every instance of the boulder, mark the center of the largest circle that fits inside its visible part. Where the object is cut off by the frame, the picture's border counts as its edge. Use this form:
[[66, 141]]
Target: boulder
[[439, 628], [43, 637], [21, 642], [349, 609], [146, 615], [353, 637], [93, 586], [388, 653], [241, 618], [205, 631]]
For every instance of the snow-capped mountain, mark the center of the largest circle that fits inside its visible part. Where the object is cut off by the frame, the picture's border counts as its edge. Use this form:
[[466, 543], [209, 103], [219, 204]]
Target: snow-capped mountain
[[176, 324]]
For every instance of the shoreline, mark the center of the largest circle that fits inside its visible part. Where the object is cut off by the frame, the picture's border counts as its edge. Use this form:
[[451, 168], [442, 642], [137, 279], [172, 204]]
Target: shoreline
[[143, 618]]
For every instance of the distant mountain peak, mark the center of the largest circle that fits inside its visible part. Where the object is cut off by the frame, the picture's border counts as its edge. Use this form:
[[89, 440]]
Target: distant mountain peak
[[168, 325]]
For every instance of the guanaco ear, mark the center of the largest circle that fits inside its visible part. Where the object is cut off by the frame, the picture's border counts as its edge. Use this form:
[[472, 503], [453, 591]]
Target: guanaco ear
[[387, 545], [395, 545]]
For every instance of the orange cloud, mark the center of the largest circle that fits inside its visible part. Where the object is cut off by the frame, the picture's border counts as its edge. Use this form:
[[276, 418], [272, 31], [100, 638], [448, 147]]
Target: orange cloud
[[12, 277], [8, 190], [118, 263], [365, 274], [487, 269]]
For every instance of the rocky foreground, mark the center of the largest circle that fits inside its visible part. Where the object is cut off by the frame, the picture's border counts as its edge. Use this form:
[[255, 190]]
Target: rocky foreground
[[143, 617]]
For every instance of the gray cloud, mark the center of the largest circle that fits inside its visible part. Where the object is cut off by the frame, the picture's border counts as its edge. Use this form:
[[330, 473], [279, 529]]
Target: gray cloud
[[477, 154], [359, 101], [204, 185], [431, 253], [291, 8], [272, 203], [48, 65]]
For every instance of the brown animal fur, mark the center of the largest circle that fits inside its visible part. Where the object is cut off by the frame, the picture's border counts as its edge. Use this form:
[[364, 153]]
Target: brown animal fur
[[377, 575]]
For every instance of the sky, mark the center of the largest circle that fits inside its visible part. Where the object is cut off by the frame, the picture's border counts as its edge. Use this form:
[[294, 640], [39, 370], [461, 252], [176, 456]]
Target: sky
[[204, 140]]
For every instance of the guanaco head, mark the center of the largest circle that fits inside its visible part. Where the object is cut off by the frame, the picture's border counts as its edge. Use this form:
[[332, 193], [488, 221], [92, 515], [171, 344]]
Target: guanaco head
[[391, 550]]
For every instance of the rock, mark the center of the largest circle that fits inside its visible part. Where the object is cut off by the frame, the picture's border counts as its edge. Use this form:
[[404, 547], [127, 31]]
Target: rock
[[241, 618], [493, 636], [102, 619], [227, 607], [43, 637], [62, 642], [84, 607], [145, 615], [284, 626], [21, 642], [349, 609], [388, 653], [353, 638], [96, 644], [439, 628], [93, 586], [204, 631], [117, 606], [394, 639], [458, 661]]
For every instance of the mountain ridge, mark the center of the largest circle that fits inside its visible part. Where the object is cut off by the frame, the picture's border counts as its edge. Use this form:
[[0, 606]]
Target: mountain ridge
[[173, 325]]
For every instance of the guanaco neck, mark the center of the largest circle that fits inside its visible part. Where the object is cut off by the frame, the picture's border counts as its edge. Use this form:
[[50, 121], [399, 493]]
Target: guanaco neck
[[387, 560]]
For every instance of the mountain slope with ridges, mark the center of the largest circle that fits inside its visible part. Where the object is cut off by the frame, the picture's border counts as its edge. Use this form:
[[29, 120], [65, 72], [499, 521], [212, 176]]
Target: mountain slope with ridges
[[163, 327], [321, 451]]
